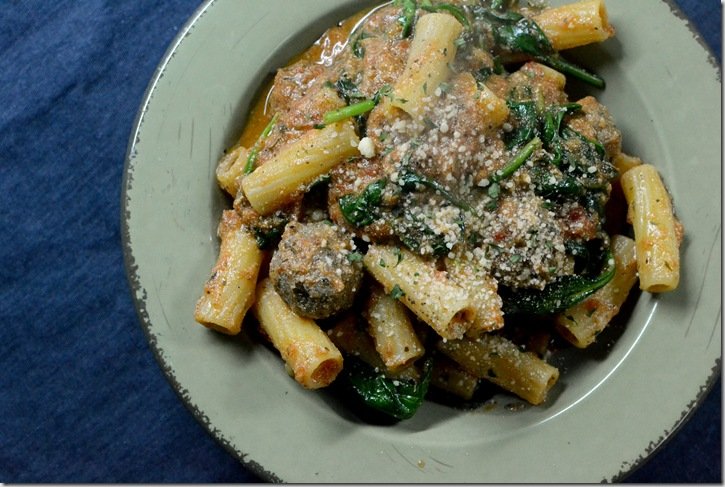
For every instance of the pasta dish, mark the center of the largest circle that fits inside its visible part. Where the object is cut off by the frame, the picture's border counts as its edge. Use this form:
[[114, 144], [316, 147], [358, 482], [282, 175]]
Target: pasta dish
[[418, 205]]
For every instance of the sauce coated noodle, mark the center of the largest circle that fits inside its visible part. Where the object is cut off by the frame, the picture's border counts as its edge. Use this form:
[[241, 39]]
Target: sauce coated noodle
[[432, 211]]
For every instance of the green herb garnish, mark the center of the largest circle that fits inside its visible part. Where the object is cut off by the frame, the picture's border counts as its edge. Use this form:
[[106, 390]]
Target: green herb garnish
[[254, 152], [407, 17], [396, 292], [362, 210]]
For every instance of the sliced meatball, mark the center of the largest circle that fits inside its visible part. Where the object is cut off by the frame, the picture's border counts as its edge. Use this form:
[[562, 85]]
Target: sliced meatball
[[312, 270]]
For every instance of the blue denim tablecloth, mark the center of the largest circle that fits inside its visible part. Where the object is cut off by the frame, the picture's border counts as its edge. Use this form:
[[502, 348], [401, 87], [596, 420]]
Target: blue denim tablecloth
[[81, 397]]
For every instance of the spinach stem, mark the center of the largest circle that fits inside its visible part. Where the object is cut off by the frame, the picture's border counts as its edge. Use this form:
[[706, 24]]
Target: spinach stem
[[560, 64], [454, 10], [517, 160], [254, 151], [349, 111], [407, 179], [408, 17]]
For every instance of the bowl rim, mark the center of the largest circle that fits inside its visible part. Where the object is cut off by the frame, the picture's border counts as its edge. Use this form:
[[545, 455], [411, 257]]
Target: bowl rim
[[137, 288]]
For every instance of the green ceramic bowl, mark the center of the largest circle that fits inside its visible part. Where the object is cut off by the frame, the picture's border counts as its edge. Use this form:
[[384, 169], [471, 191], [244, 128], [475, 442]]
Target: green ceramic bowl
[[613, 406]]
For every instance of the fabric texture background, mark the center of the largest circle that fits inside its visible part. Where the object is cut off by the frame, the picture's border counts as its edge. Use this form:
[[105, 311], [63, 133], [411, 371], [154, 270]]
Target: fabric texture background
[[81, 396]]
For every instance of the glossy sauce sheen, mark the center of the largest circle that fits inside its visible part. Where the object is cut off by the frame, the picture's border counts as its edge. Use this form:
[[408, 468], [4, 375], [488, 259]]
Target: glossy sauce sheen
[[323, 51]]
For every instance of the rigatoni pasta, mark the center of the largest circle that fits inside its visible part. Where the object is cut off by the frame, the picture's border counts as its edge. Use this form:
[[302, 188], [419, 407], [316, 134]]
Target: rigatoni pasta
[[576, 24], [655, 234], [427, 292], [448, 376], [392, 331], [624, 162], [312, 358], [356, 342], [229, 292], [431, 53], [426, 207], [483, 292], [500, 361], [581, 323], [282, 178], [231, 168]]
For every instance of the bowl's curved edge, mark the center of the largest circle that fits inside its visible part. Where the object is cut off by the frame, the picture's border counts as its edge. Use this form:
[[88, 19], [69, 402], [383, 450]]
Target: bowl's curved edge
[[138, 292], [667, 435], [712, 59], [688, 412]]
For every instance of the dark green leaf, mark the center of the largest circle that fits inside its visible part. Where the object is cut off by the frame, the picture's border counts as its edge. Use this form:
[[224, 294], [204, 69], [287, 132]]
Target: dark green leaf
[[409, 181], [521, 35], [526, 119], [399, 398], [553, 119], [554, 184], [515, 34], [363, 209], [415, 234], [348, 90], [560, 294], [357, 49]]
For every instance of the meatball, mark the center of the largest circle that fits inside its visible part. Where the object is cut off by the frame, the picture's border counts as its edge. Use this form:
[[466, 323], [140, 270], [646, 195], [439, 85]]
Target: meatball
[[525, 243], [312, 270], [596, 123]]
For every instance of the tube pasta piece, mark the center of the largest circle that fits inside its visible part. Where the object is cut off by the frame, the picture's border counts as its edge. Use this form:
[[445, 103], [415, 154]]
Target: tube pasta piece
[[549, 75], [392, 332], [655, 232], [282, 178], [231, 168], [575, 24], [500, 361], [308, 352], [431, 52], [230, 291], [624, 162], [581, 323], [679, 231], [430, 294], [353, 340], [494, 107], [450, 377], [483, 290]]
